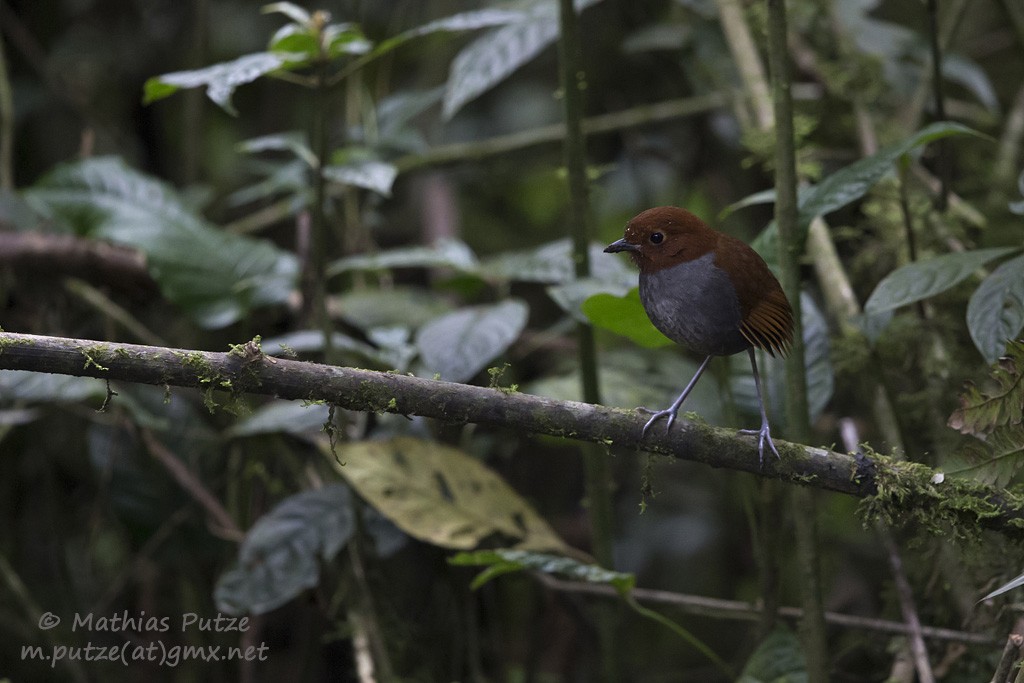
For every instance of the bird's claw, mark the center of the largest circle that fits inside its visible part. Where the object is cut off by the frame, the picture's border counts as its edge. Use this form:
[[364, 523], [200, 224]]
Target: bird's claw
[[763, 434], [655, 416]]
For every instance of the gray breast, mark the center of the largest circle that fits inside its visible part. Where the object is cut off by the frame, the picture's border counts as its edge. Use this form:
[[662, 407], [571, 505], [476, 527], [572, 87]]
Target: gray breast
[[694, 305]]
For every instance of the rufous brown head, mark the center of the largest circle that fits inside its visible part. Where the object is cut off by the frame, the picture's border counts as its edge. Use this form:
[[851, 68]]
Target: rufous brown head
[[663, 237]]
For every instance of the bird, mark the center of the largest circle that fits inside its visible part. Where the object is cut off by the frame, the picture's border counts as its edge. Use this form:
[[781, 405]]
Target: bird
[[709, 292]]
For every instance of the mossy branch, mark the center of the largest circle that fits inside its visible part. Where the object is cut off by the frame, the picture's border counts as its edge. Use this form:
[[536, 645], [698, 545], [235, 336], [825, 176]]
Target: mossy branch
[[895, 492]]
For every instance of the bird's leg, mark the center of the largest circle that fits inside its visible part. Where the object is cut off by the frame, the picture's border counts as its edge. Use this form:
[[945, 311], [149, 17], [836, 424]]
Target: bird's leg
[[763, 434], [672, 410]]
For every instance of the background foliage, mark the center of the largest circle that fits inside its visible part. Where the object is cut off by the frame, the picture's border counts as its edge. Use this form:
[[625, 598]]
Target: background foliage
[[392, 171]]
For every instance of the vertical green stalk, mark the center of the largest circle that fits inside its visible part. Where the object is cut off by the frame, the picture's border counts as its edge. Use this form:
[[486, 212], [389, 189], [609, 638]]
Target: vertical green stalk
[[573, 82], [940, 103], [315, 285], [6, 126], [790, 245]]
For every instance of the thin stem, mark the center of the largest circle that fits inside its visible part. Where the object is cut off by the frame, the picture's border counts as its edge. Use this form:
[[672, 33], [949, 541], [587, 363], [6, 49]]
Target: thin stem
[[6, 126], [790, 246], [940, 103], [316, 278], [717, 608], [573, 82], [906, 599]]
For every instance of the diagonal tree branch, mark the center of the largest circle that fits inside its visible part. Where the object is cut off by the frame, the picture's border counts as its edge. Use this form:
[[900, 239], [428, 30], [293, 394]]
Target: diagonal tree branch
[[896, 490]]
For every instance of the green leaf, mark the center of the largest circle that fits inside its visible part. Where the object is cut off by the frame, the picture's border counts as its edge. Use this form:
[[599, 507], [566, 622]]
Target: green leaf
[[368, 174], [407, 307], [778, 659], [553, 262], [215, 276], [295, 39], [494, 56], [995, 313], [281, 417], [449, 253], [280, 556], [220, 80], [994, 461], [294, 142], [1016, 583], [981, 412], [460, 344], [289, 9], [441, 495], [848, 184], [624, 315], [504, 561], [571, 295], [345, 39], [972, 77], [36, 387], [633, 377], [851, 183], [465, 21], [923, 279]]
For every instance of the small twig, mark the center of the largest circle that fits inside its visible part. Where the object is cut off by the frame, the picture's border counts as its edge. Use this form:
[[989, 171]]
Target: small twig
[[717, 608], [627, 118], [907, 607], [155, 540], [194, 487], [108, 307], [1011, 654]]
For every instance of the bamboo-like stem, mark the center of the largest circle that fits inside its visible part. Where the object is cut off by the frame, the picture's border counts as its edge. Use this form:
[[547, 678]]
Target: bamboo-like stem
[[812, 627], [942, 200], [315, 280], [6, 125], [573, 82]]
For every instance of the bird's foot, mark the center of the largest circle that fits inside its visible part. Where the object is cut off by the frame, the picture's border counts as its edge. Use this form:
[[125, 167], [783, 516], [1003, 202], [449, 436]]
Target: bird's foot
[[763, 435], [657, 415]]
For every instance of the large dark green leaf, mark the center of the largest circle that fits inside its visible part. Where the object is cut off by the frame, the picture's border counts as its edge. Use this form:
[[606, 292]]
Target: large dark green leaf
[[442, 495], [36, 387], [445, 253], [994, 461], [848, 184], [998, 405], [851, 183], [215, 276], [778, 659], [280, 555], [995, 313], [491, 58], [460, 344], [553, 262], [923, 279], [282, 417]]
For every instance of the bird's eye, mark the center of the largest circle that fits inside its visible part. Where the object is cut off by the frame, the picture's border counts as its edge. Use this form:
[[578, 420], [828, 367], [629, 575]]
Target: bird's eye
[[657, 238]]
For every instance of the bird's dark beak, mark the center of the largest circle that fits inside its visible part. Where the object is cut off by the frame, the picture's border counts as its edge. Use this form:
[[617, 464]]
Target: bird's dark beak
[[621, 245]]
